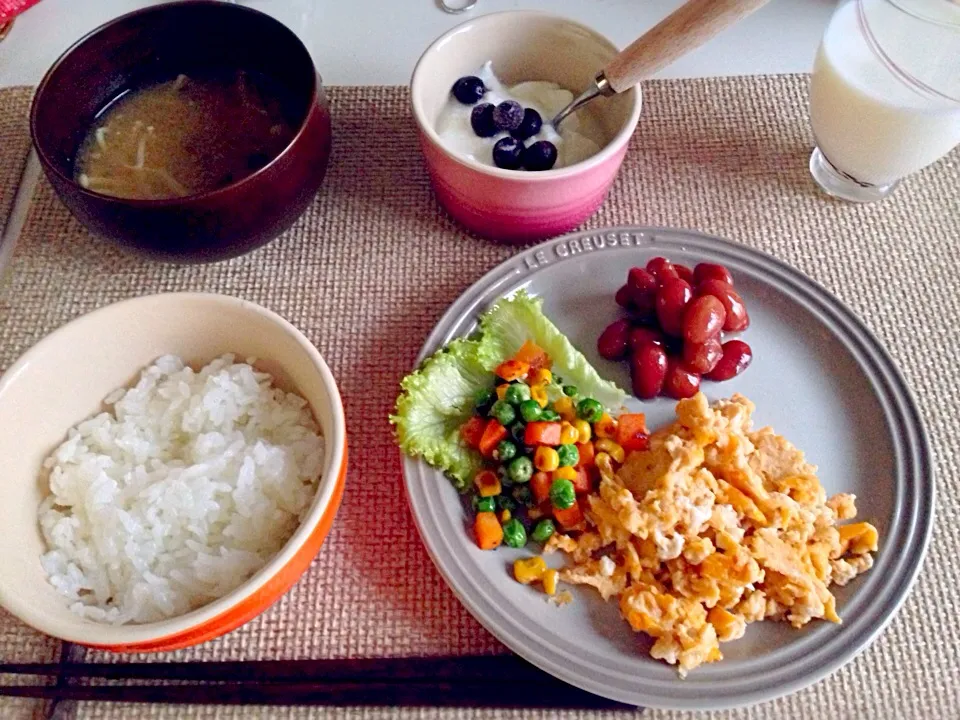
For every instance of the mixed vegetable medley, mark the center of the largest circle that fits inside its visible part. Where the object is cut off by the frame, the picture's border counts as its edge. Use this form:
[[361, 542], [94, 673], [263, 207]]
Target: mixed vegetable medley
[[540, 441], [459, 382]]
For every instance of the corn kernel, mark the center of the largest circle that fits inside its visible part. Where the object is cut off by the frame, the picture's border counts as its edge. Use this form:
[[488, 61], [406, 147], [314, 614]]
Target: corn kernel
[[604, 465], [583, 430], [550, 581], [610, 448], [565, 409], [541, 376], [568, 434], [502, 391], [529, 570], [605, 427], [488, 484], [546, 459], [565, 473], [539, 393], [504, 516]]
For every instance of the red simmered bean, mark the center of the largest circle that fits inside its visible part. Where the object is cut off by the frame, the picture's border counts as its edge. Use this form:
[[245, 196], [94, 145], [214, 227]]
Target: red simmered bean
[[703, 319], [737, 356], [662, 269], [702, 357], [612, 343], [737, 318], [641, 335], [711, 271], [679, 382], [648, 368], [641, 279], [672, 299], [684, 273], [623, 297]]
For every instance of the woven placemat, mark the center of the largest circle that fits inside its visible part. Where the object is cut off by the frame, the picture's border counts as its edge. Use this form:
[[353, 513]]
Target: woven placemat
[[14, 143], [373, 264]]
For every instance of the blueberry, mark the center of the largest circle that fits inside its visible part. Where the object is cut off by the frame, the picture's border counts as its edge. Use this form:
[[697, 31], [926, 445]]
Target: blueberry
[[540, 155], [508, 115], [507, 153], [481, 120], [469, 89], [532, 122]]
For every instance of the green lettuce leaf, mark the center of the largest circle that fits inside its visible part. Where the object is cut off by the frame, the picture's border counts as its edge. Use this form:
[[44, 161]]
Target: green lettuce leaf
[[436, 400], [511, 322]]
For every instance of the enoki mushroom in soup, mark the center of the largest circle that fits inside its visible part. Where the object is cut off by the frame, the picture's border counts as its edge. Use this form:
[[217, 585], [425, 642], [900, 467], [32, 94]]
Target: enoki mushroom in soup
[[184, 136]]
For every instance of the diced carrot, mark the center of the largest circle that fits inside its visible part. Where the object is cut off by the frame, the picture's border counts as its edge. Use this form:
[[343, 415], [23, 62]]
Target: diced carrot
[[582, 482], [632, 433], [540, 486], [512, 370], [488, 531], [472, 431], [569, 518], [587, 454], [493, 433], [533, 355], [542, 433]]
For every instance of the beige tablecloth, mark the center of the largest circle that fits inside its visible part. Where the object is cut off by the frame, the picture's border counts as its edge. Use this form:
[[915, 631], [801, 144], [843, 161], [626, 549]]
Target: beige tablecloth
[[373, 264]]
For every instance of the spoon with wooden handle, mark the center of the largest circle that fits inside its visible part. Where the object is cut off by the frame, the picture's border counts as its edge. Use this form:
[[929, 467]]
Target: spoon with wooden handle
[[687, 28]]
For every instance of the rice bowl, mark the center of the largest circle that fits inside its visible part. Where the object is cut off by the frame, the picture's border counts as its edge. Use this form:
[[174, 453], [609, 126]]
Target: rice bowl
[[42, 396]]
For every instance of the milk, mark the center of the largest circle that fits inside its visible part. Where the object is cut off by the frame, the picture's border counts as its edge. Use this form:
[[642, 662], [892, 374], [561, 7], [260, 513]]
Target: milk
[[869, 123]]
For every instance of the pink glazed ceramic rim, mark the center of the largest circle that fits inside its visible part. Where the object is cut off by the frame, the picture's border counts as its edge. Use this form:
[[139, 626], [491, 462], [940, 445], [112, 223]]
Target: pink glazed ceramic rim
[[617, 144]]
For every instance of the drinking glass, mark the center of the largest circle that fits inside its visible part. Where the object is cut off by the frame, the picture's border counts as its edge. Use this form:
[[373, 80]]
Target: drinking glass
[[885, 94]]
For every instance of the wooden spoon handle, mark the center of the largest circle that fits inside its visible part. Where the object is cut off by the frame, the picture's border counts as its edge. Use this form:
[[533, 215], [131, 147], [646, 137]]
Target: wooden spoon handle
[[688, 27]]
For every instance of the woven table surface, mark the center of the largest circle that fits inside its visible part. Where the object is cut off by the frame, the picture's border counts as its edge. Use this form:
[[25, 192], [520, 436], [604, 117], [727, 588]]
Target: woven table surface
[[372, 265]]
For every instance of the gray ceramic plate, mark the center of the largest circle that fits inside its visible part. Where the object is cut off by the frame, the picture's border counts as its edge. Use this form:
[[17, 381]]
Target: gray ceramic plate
[[818, 377]]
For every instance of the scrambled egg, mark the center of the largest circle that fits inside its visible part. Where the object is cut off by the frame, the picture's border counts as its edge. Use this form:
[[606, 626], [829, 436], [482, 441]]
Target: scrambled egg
[[713, 527]]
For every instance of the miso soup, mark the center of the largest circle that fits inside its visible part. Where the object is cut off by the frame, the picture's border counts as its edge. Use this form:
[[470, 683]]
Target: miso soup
[[184, 136]]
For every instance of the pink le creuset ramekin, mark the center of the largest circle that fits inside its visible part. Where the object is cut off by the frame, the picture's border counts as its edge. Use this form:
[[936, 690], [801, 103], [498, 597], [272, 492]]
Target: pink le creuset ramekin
[[516, 206]]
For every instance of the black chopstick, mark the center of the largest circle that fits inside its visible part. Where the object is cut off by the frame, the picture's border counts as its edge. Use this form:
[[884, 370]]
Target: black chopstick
[[493, 668], [485, 681], [400, 694]]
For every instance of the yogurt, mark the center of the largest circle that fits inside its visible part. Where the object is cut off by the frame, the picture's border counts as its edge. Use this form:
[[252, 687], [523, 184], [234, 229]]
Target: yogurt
[[579, 137]]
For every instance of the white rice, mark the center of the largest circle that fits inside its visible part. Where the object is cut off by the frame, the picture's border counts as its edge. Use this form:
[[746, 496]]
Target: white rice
[[183, 492]]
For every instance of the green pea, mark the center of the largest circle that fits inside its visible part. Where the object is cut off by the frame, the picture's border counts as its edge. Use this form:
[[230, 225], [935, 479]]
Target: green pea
[[505, 502], [544, 529], [569, 455], [522, 494], [520, 469], [484, 504], [483, 400], [514, 534], [503, 412], [505, 451], [570, 390], [562, 494], [517, 431], [530, 410], [516, 394], [549, 415], [590, 410]]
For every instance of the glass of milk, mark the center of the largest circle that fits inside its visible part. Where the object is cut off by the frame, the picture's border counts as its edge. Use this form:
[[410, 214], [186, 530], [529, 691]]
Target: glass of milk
[[885, 94]]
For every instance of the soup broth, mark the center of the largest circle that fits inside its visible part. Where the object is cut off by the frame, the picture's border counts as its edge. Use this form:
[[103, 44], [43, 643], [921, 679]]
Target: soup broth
[[182, 137]]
